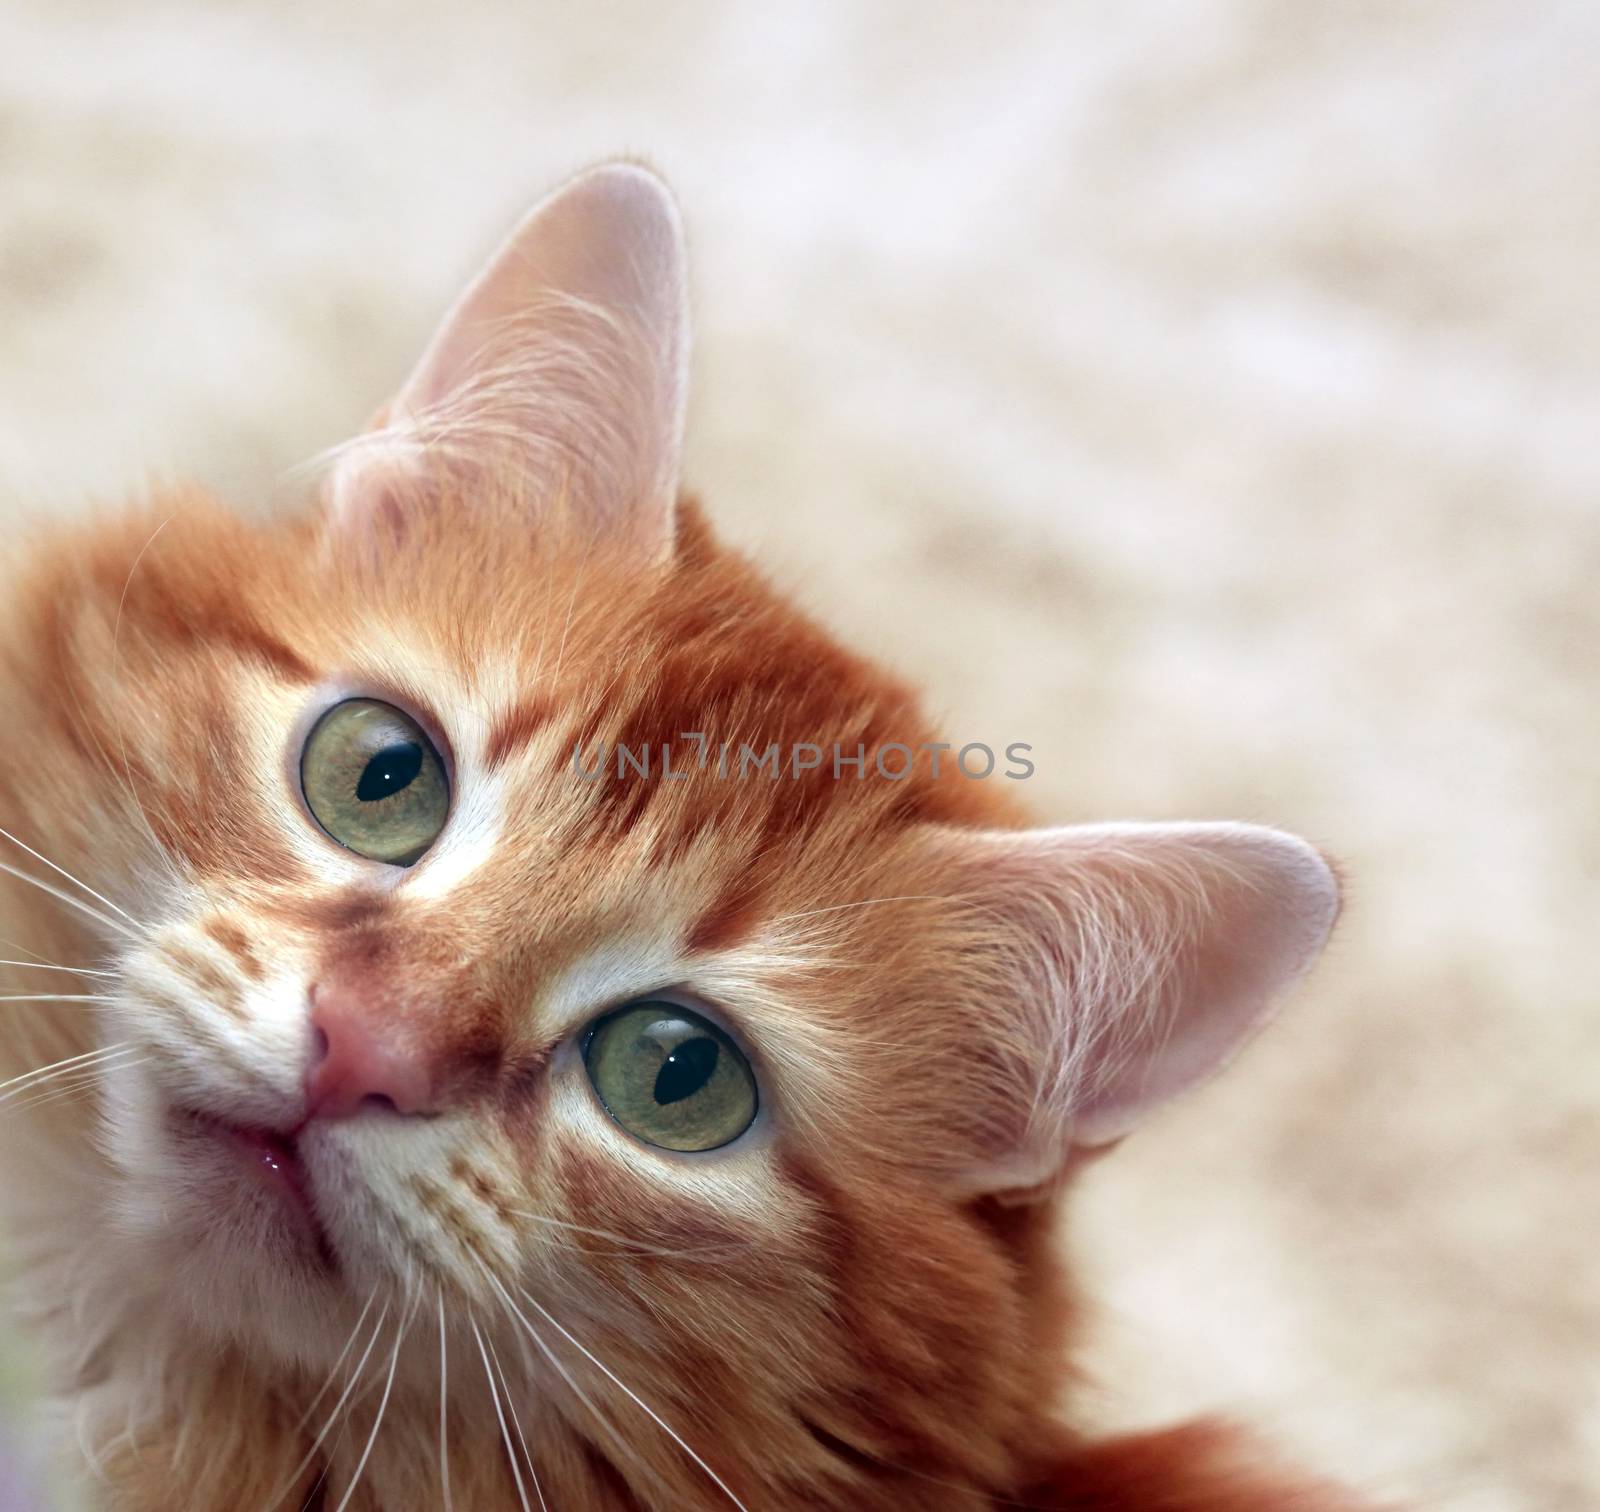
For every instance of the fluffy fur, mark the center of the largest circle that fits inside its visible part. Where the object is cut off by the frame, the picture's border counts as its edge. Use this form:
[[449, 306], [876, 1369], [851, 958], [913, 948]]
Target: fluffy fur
[[513, 1302]]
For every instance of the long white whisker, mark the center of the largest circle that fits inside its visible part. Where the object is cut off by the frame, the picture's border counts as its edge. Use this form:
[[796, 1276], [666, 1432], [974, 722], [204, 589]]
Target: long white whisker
[[69, 1088], [624, 1244], [18, 945], [401, 1328], [566, 1375], [511, 1454], [66, 1089], [338, 1406], [444, 1440], [51, 966], [128, 1055], [516, 1422], [105, 920], [82, 1076], [333, 1374], [62, 871], [43, 1073], [634, 1396], [56, 997]]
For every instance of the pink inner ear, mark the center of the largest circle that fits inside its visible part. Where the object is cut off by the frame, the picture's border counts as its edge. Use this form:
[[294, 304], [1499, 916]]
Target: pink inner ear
[[1149, 955], [1243, 912], [562, 368], [371, 487]]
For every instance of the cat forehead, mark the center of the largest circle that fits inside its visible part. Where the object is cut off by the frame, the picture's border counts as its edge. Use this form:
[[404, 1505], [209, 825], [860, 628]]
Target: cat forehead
[[528, 831], [650, 744], [678, 742]]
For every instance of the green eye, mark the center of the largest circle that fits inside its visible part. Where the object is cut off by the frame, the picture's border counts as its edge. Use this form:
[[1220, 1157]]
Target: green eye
[[374, 782], [670, 1078]]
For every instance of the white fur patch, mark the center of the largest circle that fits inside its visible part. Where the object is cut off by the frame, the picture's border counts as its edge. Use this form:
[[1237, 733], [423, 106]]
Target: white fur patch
[[469, 838]]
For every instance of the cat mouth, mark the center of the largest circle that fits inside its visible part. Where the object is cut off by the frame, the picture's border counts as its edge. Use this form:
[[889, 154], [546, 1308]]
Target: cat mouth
[[271, 1162]]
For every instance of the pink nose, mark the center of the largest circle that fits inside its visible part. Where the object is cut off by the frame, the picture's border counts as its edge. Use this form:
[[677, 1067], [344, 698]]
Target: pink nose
[[360, 1061]]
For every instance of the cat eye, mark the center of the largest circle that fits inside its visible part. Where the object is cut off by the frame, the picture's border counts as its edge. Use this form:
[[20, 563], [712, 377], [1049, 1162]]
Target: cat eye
[[374, 782], [670, 1077]]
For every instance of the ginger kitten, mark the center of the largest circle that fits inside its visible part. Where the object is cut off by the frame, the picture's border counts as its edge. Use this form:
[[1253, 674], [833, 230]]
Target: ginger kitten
[[413, 1104]]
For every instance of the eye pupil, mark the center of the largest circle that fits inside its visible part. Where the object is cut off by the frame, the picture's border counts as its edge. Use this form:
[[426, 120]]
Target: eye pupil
[[373, 782], [671, 1078], [391, 771], [686, 1070]]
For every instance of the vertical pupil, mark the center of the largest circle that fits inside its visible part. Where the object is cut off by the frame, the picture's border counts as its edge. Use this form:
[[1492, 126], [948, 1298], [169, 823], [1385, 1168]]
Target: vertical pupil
[[686, 1070], [393, 768]]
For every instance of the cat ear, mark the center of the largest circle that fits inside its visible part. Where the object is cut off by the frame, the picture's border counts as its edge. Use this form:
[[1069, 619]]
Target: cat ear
[[560, 375], [1136, 960]]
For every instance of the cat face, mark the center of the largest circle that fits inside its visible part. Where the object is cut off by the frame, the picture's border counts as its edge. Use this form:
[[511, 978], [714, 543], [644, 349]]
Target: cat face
[[747, 1090], [424, 1065]]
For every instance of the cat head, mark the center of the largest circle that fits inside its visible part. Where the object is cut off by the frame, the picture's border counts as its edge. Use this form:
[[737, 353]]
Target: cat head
[[739, 1086]]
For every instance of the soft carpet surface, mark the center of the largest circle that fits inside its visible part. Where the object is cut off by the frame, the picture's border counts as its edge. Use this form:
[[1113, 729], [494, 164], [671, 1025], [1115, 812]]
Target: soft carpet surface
[[1205, 394]]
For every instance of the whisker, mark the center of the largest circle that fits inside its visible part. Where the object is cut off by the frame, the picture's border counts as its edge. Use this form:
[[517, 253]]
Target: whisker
[[349, 1344], [625, 1244], [69, 1090], [401, 1328], [71, 1087], [62, 871], [70, 1060], [511, 1454], [56, 997], [51, 966], [66, 1090], [444, 1386], [338, 1406], [583, 1396], [633, 1396], [18, 945], [516, 1422], [105, 920], [73, 1079], [21, 1033]]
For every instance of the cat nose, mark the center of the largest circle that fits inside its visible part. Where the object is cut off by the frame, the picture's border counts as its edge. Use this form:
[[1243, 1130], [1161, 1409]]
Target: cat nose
[[361, 1058]]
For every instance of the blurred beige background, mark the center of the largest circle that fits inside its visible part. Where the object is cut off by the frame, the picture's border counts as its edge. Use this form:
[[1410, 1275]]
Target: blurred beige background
[[1208, 394]]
